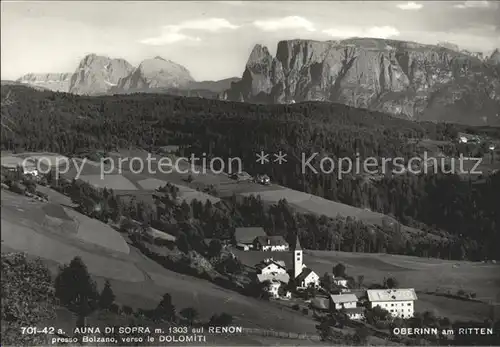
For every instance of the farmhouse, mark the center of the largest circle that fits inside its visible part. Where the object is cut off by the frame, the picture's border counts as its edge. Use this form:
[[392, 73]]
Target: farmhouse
[[304, 277], [466, 138], [340, 283], [26, 166], [270, 243], [271, 266], [399, 302], [342, 301], [346, 303], [169, 149], [244, 237], [30, 170], [270, 269]]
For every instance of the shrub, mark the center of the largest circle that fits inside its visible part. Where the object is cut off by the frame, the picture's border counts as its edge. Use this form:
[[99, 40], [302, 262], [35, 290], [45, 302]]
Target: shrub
[[223, 319], [114, 308], [189, 314], [295, 307], [27, 299], [127, 310]]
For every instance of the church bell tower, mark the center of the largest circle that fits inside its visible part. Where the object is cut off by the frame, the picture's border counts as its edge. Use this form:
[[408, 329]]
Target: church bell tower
[[297, 259]]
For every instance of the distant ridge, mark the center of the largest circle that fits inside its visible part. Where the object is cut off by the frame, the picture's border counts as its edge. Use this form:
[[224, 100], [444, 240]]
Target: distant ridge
[[98, 75]]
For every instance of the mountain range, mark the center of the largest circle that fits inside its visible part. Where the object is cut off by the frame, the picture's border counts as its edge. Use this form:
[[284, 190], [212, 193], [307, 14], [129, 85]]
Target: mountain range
[[98, 75], [405, 79]]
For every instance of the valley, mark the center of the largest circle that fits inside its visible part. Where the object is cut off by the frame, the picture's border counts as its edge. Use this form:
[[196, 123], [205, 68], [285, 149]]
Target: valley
[[241, 173]]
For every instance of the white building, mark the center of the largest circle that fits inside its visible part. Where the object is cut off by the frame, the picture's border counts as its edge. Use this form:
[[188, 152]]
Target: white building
[[340, 281], [30, 170], [355, 313], [307, 278], [270, 269], [273, 289], [271, 266], [304, 277], [270, 243], [399, 302]]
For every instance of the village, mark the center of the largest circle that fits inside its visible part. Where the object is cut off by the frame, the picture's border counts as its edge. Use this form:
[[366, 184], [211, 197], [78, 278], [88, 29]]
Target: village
[[274, 269], [330, 293]]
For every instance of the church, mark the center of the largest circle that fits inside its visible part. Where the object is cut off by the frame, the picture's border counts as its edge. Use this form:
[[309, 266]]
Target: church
[[304, 277]]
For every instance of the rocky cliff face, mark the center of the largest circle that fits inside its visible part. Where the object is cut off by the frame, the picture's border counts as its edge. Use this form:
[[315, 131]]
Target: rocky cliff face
[[98, 74], [155, 74], [58, 82], [494, 59], [406, 79]]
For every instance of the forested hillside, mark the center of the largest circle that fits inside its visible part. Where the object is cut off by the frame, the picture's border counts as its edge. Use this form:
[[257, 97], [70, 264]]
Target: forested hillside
[[66, 123]]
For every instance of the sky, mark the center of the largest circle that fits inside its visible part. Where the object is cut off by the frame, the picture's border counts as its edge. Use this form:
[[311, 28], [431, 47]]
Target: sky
[[213, 39]]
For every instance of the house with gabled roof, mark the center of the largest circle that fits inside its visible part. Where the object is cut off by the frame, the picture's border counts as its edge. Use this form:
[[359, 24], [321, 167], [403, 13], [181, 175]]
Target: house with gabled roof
[[270, 243], [270, 269], [244, 237], [348, 304], [341, 301]]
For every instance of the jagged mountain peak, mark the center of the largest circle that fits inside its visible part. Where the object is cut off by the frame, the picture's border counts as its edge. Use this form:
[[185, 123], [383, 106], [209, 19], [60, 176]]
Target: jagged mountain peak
[[403, 78], [495, 57], [96, 74], [258, 54], [156, 73]]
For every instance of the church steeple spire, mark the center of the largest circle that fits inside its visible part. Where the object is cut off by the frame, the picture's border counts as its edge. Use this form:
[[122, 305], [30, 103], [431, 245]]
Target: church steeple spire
[[297, 245]]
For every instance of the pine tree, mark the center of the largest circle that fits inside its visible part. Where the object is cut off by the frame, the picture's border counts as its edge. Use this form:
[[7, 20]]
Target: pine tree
[[166, 309], [107, 296], [76, 290], [190, 314]]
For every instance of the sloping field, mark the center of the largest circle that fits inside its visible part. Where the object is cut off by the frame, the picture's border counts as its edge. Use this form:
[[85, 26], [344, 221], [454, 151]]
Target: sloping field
[[185, 193], [314, 204], [54, 196], [35, 215], [11, 161], [421, 273], [249, 312], [24, 239], [96, 232], [45, 158], [162, 235], [115, 182]]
